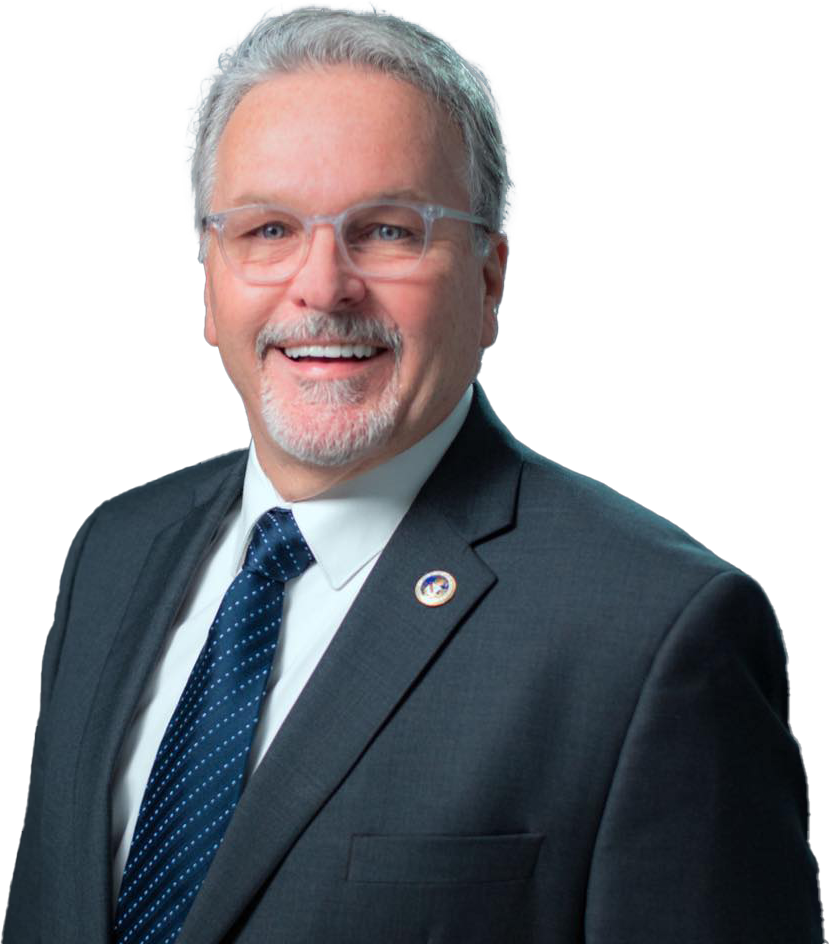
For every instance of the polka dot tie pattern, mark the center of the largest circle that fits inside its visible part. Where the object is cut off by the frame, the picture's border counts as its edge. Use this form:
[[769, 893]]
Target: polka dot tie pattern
[[198, 772]]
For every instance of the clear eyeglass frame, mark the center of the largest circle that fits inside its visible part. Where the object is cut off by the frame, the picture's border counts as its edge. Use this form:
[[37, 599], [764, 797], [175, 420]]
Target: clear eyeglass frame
[[430, 212]]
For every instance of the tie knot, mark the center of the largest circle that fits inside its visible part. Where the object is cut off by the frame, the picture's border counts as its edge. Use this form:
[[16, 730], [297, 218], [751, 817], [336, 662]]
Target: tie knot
[[278, 549]]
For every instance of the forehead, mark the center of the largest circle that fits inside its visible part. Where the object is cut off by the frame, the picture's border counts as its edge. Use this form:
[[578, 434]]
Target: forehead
[[328, 137]]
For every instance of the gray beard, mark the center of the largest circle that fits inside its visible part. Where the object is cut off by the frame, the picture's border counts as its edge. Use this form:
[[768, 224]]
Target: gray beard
[[331, 441], [340, 432]]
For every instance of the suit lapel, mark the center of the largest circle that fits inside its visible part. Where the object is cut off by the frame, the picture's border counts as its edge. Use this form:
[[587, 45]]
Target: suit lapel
[[160, 588], [386, 641]]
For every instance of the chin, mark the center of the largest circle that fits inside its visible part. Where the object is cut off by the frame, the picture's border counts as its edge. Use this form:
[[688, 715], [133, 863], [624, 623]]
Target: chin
[[329, 423]]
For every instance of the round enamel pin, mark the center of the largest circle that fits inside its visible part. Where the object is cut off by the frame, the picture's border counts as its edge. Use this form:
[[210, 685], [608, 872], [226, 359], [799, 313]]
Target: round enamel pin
[[435, 588]]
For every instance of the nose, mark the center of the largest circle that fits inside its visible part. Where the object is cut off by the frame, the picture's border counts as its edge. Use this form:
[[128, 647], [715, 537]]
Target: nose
[[325, 282]]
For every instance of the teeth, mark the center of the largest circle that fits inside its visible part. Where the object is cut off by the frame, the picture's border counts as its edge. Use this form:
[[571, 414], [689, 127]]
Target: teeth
[[330, 350]]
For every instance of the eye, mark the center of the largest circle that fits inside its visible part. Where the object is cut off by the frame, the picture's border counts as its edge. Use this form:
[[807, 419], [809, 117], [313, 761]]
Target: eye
[[273, 230], [387, 233]]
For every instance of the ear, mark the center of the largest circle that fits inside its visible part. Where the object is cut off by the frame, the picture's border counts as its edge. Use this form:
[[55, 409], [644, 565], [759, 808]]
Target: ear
[[493, 272], [210, 323]]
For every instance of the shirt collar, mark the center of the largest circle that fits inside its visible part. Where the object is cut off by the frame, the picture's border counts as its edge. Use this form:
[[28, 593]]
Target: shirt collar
[[351, 523]]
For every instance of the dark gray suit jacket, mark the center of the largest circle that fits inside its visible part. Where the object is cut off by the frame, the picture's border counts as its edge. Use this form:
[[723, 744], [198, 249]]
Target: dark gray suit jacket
[[587, 745]]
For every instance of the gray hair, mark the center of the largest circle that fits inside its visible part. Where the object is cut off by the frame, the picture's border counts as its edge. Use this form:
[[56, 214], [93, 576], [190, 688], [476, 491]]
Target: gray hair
[[317, 36]]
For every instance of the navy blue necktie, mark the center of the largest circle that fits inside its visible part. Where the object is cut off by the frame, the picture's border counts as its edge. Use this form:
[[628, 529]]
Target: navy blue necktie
[[197, 775]]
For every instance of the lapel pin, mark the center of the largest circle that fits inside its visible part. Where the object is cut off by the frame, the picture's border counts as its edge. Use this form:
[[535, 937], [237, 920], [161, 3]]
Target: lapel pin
[[435, 588]]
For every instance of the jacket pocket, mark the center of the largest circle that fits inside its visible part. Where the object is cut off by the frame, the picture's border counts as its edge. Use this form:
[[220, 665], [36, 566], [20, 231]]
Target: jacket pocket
[[443, 859]]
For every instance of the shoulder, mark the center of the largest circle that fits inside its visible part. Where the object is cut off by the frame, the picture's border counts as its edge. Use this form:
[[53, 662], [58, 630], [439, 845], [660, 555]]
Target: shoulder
[[605, 585], [566, 549], [605, 550], [568, 526], [628, 576], [151, 505]]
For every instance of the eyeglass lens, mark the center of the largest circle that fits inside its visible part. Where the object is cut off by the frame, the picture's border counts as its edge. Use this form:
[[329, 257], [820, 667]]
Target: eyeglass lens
[[264, 244]]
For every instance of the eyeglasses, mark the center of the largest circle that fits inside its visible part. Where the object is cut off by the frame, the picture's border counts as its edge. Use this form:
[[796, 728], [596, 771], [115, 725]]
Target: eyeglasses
[[265, 245]]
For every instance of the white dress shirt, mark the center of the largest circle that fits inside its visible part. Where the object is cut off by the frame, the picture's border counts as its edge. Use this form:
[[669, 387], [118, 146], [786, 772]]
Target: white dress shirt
[[346, 528]]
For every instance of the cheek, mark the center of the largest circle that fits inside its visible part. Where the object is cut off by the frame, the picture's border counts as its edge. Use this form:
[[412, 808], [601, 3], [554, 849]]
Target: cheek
[[441, 342], [234, 314], [440, 319], [458, 317]]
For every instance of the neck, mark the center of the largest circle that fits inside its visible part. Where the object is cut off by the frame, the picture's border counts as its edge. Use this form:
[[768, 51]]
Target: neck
[[298, 481]]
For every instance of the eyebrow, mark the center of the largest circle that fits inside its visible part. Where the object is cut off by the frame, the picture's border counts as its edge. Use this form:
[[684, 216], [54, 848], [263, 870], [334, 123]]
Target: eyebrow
[[247, 199]]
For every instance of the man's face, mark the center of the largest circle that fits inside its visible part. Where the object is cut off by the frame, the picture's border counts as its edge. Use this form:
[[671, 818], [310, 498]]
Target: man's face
[[318, 142]]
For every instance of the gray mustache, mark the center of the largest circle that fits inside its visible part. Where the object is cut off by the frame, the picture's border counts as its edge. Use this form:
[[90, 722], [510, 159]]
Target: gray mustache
[[347, 328]]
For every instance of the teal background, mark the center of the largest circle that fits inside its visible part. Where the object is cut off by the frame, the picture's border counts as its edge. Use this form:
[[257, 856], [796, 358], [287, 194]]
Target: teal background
[[662, 329]]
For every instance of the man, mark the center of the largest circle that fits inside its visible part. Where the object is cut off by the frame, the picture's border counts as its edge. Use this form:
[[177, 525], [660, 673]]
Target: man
[[389, 675]]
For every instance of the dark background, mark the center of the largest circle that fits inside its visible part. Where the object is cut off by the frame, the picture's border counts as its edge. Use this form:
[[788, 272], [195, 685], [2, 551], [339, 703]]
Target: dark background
[[663, 327]]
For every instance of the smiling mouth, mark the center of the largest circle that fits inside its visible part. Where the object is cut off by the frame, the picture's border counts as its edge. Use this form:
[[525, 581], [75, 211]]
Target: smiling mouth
[[297, 352]]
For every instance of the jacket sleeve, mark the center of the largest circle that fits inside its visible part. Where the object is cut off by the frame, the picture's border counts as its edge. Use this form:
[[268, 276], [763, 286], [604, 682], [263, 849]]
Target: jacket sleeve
[[703, 839], [22, 915]]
